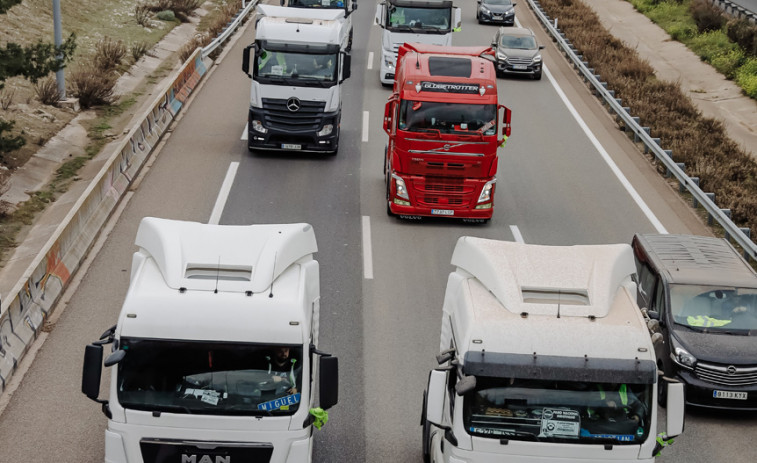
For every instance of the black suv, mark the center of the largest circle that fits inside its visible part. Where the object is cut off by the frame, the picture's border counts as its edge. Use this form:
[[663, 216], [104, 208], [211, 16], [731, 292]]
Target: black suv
[[701, 297]]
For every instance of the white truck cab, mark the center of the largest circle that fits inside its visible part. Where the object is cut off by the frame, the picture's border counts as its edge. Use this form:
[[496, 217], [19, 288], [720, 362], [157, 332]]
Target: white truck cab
[[545, 356], [420, 21], [214, 354], [341, 10], [297, 64]]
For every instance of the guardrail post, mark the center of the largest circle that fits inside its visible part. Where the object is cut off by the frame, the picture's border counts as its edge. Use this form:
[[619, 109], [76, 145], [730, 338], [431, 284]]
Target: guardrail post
[[682, 186], [727, 213], [748, 233], [636, 136], [710, 218]]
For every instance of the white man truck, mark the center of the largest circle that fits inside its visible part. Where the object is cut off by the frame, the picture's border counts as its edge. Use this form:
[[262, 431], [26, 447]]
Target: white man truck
[[546, 357], [215, 353], [340, 10], [297, 65], [419, 21]]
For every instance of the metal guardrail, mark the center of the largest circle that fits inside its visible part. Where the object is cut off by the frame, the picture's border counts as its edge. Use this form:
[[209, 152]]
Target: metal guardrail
[[735, 10], [230, 28], [642, 134]]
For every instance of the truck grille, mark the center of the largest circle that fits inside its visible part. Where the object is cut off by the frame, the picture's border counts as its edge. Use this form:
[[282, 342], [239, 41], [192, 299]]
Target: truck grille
[[166, 451], [444, 192], [307, 119], [726, 375]]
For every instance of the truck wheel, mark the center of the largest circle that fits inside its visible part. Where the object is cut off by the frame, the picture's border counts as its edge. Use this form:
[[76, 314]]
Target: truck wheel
[[426, 433], [349, 42]]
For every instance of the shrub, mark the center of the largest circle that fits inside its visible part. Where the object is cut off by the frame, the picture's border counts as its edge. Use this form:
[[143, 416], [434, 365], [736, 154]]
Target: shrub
[[93, 85], [728, 63], [711, 44], [142, 14], [138, 50], [743, 33], [6, 98], [746, 77], [166, 15], [182, 9], [707, 16], [47, 91], [109, 54], [681, 31]]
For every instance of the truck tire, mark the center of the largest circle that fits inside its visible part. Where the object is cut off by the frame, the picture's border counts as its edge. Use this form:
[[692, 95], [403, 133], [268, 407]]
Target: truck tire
[[349, 43], [388, 208], [426, 433]]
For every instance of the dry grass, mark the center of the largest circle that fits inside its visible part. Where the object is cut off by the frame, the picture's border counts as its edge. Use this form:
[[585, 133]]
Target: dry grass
[[47, 91], [701, 143]]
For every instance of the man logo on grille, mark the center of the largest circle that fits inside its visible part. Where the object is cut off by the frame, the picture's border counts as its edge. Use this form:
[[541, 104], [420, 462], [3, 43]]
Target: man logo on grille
[[293, 104]]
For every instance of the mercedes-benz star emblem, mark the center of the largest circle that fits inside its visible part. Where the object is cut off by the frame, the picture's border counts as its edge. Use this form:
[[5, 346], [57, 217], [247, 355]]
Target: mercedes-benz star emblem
[[293, 104]]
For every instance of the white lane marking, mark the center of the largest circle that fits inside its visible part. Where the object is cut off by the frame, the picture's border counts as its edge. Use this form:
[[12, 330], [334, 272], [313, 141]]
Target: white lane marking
[[516, 234], [223, 194], [365, 126], [608, 160], [370, 60], [367, 250], [244, 134]]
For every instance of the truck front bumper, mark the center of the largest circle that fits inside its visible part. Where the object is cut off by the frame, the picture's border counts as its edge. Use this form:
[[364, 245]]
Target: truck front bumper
[[273, 138]]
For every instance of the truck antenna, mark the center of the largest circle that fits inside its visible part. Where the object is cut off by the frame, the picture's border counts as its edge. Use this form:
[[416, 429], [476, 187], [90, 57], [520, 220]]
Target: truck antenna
[[559, 300], [273, 272], [218, 274]]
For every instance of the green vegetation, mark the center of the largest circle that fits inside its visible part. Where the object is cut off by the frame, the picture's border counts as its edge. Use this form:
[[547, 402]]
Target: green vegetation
[[710, 34]]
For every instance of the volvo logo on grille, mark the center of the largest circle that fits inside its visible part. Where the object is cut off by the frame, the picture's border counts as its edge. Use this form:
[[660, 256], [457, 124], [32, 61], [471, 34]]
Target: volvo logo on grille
[[293, 104], [731, 370]]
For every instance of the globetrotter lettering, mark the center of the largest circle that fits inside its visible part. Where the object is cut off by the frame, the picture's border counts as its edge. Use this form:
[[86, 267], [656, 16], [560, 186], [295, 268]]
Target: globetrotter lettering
[[449, 87]]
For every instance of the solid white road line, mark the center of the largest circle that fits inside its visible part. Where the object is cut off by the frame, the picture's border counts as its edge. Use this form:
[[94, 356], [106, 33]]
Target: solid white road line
[[244, 134], [365, 126], [370, 60], [223, 194], [608, 160], [516, 234], [367, 250]]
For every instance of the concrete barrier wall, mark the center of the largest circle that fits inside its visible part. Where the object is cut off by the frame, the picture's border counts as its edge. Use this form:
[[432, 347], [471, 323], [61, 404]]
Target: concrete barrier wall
[[33, 298]]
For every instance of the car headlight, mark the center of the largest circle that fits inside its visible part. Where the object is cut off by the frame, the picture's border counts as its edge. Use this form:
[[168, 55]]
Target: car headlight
[[487, 191], [326, 130], [501, 56], [400, 189], [510, 11], [537, 59], [681, 356], [485, 10], [258, 126]]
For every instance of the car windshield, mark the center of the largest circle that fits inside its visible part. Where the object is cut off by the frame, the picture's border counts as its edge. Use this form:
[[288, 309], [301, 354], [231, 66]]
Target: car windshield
[[210, 378], [426, 116], [516, 42], [301, 68], [418, 19], [558, 411], [714, 308], [317, 3], [498, 2]]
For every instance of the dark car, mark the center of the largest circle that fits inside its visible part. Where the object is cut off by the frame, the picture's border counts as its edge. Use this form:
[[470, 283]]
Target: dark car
[[701, 300], [517, 52], [496, 11]]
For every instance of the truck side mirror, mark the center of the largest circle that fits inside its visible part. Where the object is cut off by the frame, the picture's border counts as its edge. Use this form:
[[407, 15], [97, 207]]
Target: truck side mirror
[[328, 383], [458, 19], [676, 408], [388, 112], [354, 5], [346, 66], [282, 2], [92, 371], [379, 19], [246, 59], [504, 119], [437, 384]]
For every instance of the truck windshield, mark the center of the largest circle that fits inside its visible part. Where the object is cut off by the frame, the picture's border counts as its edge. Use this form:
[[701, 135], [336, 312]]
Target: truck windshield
[[715, 309], [317, 3], [418, 20], [210, 378], [296, 68], [558, 411], [425, 116]]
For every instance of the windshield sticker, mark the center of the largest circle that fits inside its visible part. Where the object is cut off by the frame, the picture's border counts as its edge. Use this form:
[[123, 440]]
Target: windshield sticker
[[618, 437], [277, 70], [557, 422], [282, 403], [496, 432], [207, 396]]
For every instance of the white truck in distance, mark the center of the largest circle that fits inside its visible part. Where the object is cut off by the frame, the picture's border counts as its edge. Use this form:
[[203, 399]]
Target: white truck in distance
[[297, 67], [214, 354], [340, 10], [545, 356], [420, 21]]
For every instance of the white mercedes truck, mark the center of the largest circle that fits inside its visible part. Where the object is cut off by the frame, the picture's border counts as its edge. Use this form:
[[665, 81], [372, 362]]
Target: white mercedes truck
[[545, 356], [214, 357], [419, 21], [297, 64], [340, 10]]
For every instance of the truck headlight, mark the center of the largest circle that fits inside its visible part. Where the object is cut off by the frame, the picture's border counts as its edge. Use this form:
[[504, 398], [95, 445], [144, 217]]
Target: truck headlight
[[389, 60], [400, 190], [258, 126], [487, 191], [681, 356], [326, 130]]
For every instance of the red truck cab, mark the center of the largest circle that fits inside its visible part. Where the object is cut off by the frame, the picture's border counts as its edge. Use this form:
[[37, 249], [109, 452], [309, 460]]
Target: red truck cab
[[444, 124]]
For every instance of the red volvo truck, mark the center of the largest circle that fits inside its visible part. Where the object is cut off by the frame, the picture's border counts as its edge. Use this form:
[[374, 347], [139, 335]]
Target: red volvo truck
[[444, 125]]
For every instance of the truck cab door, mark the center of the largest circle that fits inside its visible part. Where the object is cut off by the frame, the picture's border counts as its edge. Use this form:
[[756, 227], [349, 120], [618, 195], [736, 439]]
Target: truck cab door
[[380, 15], [503, 116]]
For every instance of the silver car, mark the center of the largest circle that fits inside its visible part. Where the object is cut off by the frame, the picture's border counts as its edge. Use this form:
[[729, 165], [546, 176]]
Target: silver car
[[517, 52], [496, 11]]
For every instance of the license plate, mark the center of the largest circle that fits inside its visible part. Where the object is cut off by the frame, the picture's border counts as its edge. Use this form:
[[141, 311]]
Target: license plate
[[519, 67], [288, 146], [442, 212], [729, 395]]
